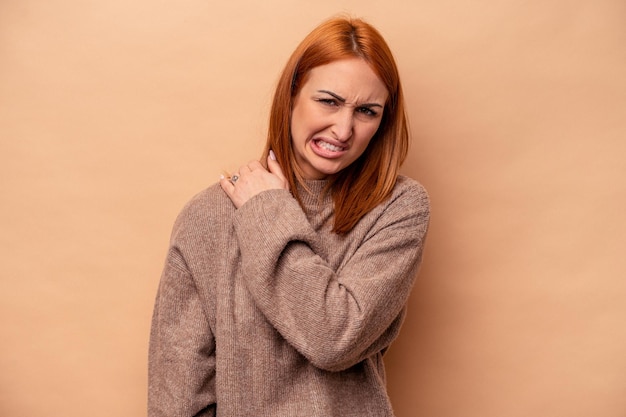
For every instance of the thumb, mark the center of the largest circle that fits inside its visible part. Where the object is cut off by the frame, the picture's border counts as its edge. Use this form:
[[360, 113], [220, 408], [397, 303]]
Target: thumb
[[274, 166]]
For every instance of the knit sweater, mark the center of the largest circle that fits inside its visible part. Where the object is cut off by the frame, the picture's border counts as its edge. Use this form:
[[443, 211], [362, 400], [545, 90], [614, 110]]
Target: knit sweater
[[263, 311]]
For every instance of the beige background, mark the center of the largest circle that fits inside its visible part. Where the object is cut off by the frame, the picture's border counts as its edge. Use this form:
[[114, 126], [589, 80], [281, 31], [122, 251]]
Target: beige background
[[114, 113]]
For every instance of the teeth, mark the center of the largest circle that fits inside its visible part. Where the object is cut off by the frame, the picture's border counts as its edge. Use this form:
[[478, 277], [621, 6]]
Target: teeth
[[328, 146]]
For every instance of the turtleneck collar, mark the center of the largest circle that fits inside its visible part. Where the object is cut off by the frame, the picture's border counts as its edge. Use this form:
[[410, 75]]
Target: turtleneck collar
[[312, 193]]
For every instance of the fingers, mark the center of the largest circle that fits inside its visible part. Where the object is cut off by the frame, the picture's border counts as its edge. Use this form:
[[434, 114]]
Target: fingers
[[254, 165], [252, 179], [227, 185], [274, 166], [244, 170]]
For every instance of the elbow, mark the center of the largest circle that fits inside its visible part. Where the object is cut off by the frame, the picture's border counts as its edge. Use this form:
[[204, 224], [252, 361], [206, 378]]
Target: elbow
[[337, 355], [332, 361]]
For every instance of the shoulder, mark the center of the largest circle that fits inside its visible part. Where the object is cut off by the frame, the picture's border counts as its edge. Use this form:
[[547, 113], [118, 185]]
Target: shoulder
[[404, 183], [406, 212], [211, 200], [410, 193], [207, 210]]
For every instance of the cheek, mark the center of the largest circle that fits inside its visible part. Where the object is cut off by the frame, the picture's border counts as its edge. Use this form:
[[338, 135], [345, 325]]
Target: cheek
[[299, 120], [366, 134]]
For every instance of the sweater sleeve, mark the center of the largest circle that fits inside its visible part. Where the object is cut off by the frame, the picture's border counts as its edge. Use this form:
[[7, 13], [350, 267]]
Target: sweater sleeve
[[334, 318], [181, 381]]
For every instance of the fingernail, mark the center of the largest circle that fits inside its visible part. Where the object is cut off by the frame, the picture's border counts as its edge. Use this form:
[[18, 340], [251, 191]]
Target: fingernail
[[272, 156], [221, 176]]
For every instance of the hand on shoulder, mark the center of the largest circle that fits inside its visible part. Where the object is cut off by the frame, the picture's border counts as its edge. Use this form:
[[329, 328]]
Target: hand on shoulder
[[252, 179]]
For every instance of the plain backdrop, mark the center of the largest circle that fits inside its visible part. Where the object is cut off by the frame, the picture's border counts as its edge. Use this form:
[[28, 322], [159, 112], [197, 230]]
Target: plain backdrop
[[114, 113]]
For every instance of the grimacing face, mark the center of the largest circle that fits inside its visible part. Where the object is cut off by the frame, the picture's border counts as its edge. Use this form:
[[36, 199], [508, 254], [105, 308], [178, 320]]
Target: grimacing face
[[335, 115]]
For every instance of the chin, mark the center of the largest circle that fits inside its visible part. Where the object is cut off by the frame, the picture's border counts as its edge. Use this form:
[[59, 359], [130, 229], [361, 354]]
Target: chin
[[325, 172]]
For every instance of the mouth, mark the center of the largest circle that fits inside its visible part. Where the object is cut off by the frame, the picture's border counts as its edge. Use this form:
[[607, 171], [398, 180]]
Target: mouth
[[328, 146]]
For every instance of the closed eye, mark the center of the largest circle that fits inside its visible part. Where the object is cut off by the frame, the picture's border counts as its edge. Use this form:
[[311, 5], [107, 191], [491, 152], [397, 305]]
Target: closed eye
[[328, 101]]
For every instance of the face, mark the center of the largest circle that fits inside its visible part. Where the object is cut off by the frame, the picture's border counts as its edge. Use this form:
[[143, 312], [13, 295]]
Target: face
[[335, 115]]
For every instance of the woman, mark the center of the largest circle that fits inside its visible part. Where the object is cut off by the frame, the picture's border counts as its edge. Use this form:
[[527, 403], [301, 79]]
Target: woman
[[285, 284]]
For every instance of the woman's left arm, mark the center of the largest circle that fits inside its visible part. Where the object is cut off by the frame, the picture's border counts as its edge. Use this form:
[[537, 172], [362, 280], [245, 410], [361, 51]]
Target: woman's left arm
[[335, 319]]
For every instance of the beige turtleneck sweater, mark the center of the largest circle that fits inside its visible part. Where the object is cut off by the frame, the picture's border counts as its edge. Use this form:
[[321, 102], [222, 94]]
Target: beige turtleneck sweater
[[263, 311]]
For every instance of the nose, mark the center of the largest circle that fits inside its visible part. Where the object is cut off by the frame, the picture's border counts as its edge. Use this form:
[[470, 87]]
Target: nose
[[343, 124]]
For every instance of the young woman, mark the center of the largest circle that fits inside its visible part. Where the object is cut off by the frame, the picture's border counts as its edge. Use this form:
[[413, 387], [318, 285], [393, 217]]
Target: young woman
[[285, 283]]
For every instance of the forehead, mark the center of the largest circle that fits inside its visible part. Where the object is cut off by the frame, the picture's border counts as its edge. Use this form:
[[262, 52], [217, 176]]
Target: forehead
[[351, 78]]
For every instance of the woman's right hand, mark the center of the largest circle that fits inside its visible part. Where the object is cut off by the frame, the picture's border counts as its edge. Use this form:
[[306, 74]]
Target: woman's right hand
[[252, 179]]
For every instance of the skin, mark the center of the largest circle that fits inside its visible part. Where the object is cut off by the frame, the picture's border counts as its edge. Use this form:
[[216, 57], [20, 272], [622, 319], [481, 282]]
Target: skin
[[334, 117], [254, 179]]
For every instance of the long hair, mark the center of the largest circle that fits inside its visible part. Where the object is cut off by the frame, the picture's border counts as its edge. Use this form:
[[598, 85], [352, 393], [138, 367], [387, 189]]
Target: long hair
[[369, 180]]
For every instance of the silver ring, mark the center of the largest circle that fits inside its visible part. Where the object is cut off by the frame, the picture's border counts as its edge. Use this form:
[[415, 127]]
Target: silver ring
[[234, 178]]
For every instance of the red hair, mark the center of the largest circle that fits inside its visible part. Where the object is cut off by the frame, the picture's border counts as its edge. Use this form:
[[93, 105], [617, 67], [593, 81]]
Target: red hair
[[369, 180]]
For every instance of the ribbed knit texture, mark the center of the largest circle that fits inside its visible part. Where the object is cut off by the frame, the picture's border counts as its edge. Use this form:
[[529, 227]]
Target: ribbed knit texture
[[263, 311]]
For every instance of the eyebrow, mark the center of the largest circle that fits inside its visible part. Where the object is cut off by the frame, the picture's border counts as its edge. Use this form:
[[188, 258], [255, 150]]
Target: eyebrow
[[343, 100]]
